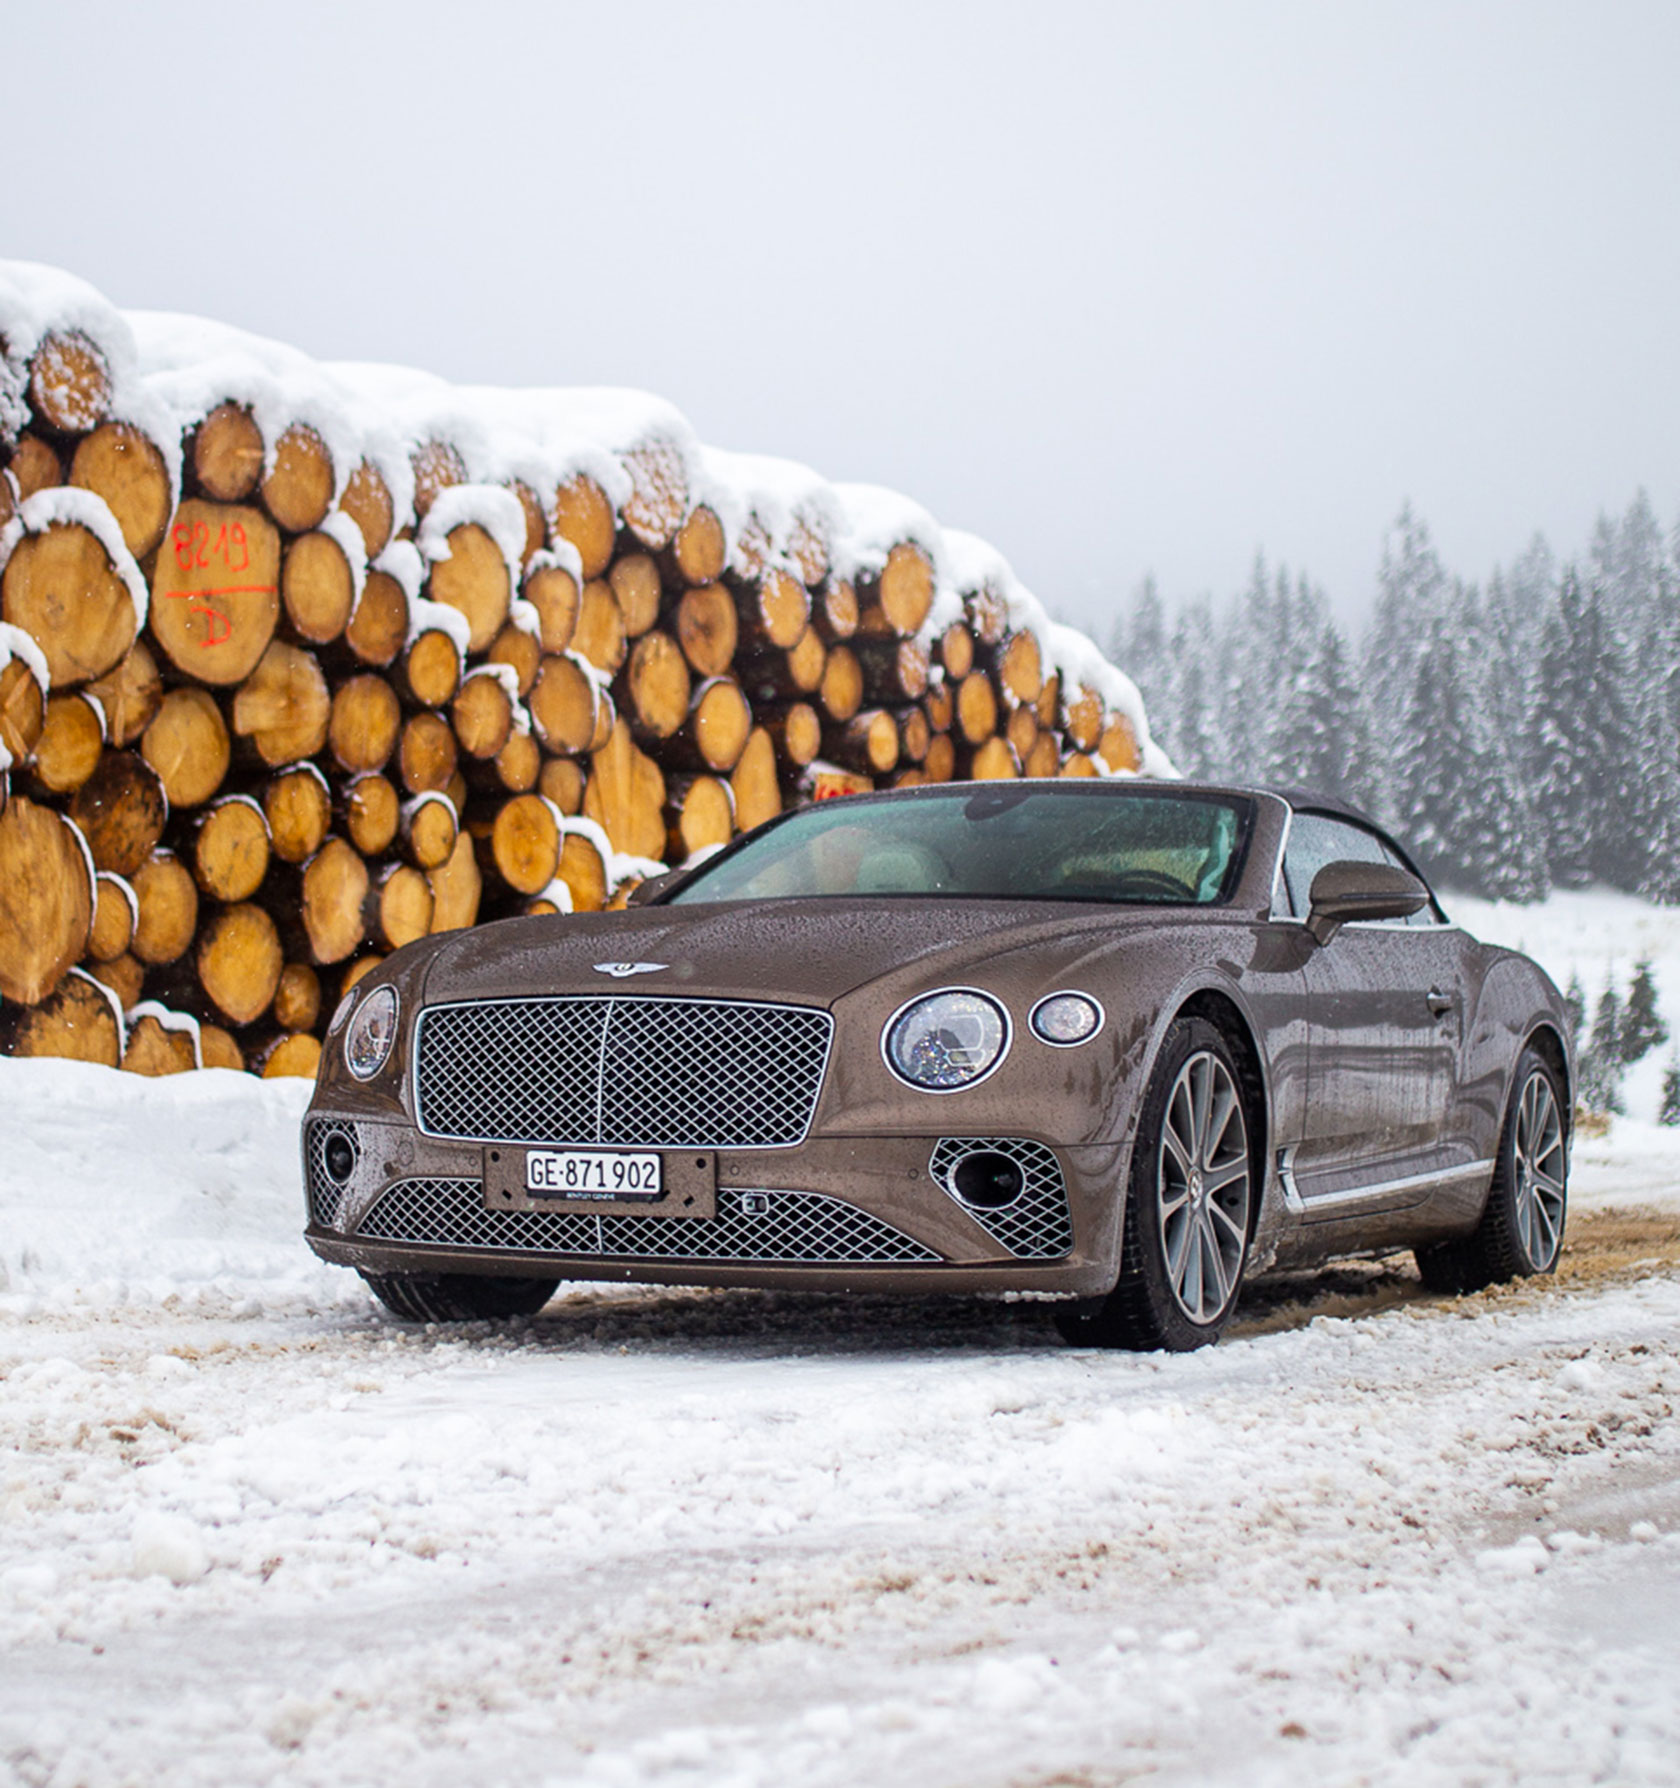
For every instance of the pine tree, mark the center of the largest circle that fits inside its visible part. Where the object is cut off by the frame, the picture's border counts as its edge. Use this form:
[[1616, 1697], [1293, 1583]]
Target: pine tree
[[1579, 759], [1630, 566], [1601, 1061], [1196, 737], [1669, 1112], [1323, 738], [1519, 601], [1575, 1004], [1411, 591], [1459, 798], [1642, 1027]]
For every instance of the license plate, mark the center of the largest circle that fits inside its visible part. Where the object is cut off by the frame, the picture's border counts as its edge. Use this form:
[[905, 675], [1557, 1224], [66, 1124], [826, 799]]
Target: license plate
[[592, 1173]]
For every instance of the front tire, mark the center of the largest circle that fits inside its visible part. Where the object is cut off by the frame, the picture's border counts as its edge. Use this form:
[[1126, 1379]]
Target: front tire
[[458, 1297], [1521, 1231], [1189, 1206]]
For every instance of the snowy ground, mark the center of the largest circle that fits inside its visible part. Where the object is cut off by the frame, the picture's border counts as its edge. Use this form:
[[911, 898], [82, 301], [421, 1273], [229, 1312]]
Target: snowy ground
[[252, 1533]]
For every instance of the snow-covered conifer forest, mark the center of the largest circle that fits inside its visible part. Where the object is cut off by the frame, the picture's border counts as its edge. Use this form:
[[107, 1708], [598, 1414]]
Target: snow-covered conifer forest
[[1521, 733]]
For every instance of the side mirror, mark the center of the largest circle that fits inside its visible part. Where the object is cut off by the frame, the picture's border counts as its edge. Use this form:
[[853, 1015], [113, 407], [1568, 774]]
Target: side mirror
[[645, 893], [1344, 891]]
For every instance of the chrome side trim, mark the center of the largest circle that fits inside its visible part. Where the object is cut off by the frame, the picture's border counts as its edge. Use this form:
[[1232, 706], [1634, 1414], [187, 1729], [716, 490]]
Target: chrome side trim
[[1414, 1182], [1277, 869], [1286, 1179]]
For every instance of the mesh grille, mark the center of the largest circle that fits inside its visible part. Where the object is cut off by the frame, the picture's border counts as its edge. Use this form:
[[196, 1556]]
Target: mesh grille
[[325, 1193], [801, 1228], [647, 1073], [1037, 1226]]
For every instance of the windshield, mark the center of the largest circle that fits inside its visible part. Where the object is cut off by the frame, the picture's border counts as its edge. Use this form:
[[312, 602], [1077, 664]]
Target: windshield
[[991, 841]]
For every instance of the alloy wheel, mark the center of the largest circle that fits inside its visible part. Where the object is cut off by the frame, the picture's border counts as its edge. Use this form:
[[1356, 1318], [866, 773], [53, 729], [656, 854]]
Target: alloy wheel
[[1203, 1190], [1537, 1158]]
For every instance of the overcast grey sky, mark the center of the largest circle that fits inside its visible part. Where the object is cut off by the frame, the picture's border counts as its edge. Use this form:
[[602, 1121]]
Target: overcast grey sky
[[1125, 288]]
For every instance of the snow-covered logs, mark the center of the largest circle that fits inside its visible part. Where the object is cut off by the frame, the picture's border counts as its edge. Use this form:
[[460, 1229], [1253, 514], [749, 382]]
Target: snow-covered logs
[[299, 663]]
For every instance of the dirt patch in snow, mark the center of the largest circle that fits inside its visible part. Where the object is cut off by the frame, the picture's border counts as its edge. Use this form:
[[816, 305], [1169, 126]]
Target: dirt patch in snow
[[1601, 1247]]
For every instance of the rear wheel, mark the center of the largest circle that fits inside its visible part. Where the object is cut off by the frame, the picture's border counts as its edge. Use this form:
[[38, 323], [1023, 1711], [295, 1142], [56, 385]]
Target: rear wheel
[[1188, 1207], [1521, 1231], [458, 1297]]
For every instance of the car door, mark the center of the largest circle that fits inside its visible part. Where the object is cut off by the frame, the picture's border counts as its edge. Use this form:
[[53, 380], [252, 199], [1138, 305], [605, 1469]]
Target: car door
[[1385, 1014]]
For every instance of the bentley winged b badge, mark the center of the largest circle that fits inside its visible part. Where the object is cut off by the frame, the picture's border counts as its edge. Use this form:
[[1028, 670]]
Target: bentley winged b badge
[[619, 970]]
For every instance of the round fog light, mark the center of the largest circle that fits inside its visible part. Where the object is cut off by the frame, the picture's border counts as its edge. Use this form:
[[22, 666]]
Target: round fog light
[[339, 1156], [1065, 1019], [988, 1180]]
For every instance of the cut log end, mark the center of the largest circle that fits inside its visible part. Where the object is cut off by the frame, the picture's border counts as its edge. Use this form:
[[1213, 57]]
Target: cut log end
[[372, 814], [364, 723], [297, 489], [584, 516], [367, 501], [227, 454], [69, 383], [437, 466], [335, 890], [121, 810], [78, 1023], [525, 844], [216, 591], [231, 850], [155, 1049], [298, 810], [168, 902], [473, 580], [130, 695], [124, 468], [317, 588], [187, 745], [284, 707], [60, 587], [377, 629], [240, 962], [700, 549]]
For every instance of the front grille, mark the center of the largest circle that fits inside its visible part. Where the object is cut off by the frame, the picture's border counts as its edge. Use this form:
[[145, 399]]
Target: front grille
[[642, 1073], [1037, 1226], [325, 1193], [772, 1228]]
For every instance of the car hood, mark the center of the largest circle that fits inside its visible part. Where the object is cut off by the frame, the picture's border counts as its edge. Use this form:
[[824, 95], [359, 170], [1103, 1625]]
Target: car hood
[[804, 951]]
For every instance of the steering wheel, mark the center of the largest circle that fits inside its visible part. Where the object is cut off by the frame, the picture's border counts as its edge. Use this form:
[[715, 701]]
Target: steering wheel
[[1154, 881]]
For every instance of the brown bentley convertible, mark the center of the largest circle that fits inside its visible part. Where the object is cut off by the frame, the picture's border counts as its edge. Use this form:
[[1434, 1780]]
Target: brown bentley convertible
[[1122, 1041]]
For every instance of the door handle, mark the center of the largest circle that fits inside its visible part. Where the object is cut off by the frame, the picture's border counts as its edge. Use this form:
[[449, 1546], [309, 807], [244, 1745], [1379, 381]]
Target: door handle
[[1440, 1003]]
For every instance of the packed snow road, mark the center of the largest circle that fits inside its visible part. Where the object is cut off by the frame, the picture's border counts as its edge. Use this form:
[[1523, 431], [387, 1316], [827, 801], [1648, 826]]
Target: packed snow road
[[254, 1533]]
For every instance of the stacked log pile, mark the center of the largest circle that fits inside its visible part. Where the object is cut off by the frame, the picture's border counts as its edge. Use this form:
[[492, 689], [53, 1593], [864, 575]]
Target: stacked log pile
[[301, 664]]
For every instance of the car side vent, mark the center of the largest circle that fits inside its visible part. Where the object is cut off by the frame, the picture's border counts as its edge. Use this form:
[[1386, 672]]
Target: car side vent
[[1012, 1187]]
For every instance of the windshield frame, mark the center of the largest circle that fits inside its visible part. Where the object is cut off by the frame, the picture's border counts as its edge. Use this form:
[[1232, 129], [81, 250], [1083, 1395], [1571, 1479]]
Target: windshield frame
[[1242, 802]]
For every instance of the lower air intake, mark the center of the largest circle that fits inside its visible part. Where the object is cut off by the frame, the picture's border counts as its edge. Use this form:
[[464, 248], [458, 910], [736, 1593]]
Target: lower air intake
[[766, 1228], [1036, 1225], [326, 1146]]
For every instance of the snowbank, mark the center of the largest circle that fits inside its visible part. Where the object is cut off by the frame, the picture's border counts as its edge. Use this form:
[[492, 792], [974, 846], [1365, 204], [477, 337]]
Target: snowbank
[[114, 1186]]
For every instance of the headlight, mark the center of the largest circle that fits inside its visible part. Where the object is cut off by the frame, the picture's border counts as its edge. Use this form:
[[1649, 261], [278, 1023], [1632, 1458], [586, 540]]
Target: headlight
[[1064, 1019], [946, 1041], [373, 1030]]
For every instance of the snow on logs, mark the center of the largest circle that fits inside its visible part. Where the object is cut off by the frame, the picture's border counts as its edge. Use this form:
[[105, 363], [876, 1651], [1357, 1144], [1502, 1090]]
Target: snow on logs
[[300, 663]]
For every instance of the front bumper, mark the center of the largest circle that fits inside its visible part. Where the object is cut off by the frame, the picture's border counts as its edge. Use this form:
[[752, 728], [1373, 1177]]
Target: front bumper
[[836, 1213]]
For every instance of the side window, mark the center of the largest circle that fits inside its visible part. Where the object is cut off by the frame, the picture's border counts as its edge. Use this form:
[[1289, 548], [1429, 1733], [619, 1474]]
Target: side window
[[1314, 840]]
